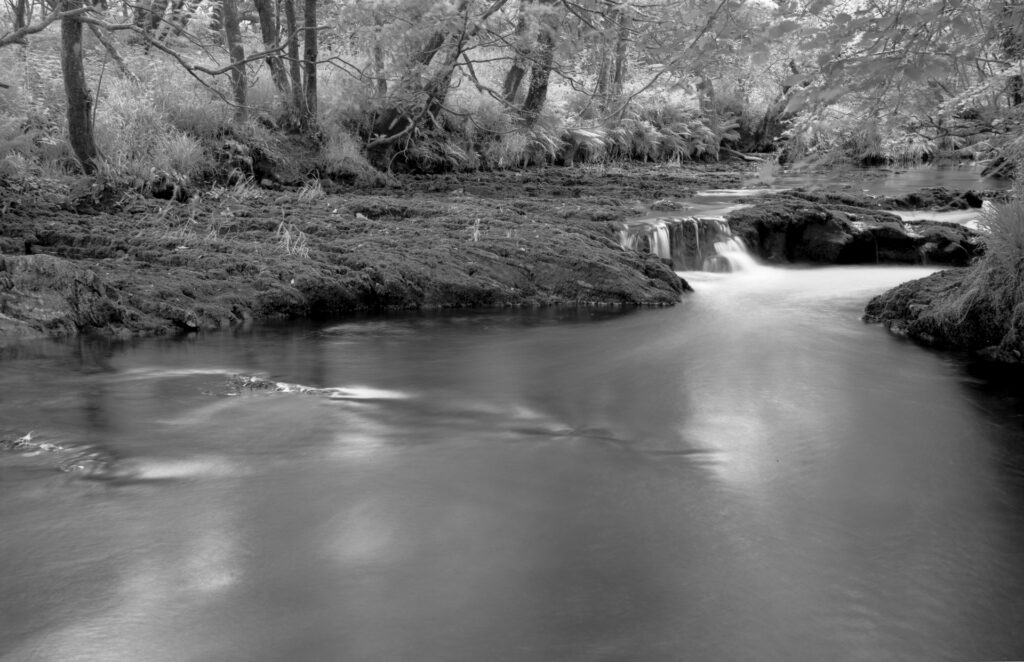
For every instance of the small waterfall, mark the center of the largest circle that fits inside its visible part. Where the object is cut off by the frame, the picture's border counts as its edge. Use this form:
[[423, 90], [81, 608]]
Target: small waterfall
[[732, 255], [691, 244], [660, 243]]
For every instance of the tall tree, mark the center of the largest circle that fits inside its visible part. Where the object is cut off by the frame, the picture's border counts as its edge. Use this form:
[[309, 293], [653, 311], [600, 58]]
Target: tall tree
[[79, 100], [269, 31], [20, 14], [540, 72], [1012, 42], [291, 22], [236, 50], [309, 62], [520, 61]]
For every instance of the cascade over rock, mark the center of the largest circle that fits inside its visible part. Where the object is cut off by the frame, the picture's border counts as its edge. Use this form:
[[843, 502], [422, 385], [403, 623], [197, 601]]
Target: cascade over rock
[[809, 227], [687, 244]]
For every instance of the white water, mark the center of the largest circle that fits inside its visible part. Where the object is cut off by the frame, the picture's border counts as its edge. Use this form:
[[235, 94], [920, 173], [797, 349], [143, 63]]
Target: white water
[[730, 253], [735, 252]]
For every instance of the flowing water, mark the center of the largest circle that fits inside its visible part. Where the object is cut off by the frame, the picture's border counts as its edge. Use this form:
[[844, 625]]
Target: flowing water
[[752, 474]]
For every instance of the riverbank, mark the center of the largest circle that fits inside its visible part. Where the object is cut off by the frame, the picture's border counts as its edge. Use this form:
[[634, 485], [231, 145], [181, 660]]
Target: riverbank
[[229, 256], [979, 309]]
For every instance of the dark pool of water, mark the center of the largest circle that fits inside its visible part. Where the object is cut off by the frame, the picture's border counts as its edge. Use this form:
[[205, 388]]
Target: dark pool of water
[[753, 474]]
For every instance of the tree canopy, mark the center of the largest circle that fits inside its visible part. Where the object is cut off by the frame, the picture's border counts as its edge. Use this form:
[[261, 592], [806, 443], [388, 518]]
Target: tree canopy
[[504, 83]]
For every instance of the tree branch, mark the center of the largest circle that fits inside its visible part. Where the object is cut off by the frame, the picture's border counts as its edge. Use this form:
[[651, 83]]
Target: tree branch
[[18, 36]]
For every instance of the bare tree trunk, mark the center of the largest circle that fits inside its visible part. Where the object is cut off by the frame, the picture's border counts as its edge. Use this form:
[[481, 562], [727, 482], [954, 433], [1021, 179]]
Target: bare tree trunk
[[624, 19], [540, 73], [157, 9], [294, 64], [233, 39], [268, 30], [379, 70], [20, 14], [79, 100], [309, 60], [437, 87], [520, 61], [604, 73], [1013, 45]]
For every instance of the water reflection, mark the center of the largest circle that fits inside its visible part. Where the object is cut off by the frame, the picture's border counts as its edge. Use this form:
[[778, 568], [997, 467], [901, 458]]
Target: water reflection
[[754, 473]]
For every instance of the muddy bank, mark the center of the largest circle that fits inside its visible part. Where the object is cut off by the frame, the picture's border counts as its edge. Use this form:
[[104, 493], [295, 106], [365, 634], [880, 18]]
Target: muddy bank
[[229, 255]]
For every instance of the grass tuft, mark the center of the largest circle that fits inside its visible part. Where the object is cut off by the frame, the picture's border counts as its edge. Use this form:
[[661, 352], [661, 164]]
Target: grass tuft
[[311, 191], [988, 307], [292, 240]]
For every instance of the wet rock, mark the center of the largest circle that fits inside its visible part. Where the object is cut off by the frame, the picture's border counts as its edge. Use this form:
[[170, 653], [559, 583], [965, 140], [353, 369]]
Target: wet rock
[[791, 228], [945, 243], [929, 311], [936, 198]]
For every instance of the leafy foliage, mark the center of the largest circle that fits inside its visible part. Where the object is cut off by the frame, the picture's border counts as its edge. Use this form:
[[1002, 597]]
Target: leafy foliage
[[429, 86]]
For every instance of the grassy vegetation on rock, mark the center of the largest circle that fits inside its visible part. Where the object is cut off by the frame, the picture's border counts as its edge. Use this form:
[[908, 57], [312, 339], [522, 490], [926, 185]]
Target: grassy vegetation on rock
[[232, 254], [980, 308]]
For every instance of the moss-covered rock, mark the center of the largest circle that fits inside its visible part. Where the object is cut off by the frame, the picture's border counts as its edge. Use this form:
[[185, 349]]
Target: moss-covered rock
[[940, 310], [795, 227], [227, 256]]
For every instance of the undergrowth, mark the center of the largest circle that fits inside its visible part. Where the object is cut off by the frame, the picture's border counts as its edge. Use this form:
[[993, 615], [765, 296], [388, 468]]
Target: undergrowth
[[988, 307]]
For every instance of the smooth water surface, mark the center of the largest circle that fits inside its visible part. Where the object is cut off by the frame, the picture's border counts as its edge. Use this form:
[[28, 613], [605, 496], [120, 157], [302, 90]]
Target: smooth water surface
[[897, 181], [752, 475], [870, 181]]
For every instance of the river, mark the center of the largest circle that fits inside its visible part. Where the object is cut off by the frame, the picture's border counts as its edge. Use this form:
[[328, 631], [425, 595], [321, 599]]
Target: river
[[753, 474]]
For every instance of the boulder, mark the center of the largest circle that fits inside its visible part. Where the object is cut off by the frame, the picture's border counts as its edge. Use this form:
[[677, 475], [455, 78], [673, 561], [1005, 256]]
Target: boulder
[[791, 228]]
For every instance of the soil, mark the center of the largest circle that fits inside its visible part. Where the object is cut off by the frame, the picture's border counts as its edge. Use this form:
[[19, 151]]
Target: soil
[[137, 266]]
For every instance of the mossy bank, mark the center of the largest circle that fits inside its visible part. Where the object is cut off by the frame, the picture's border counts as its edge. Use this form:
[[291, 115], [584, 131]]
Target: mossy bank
[[230, 255], [979, 309]]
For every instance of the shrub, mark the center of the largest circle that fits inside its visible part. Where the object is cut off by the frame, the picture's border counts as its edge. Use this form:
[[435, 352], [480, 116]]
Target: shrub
[[140, 147]]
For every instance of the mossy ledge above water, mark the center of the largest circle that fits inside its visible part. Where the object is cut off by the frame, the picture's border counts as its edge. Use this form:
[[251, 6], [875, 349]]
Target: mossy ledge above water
[[921, 310], [979, 308], [230, 256]]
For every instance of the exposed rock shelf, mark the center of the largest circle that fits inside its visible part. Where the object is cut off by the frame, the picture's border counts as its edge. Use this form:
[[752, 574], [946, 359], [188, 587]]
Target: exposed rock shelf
[[795, 227]]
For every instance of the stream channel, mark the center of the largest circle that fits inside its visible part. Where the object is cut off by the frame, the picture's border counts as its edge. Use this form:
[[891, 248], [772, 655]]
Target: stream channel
[[752, 474]]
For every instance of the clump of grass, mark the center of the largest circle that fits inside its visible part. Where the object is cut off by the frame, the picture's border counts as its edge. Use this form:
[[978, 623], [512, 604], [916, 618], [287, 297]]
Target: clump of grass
[[311, 191], [988, 307], [767, 170], [908, 149], [139, 146], [244, 189], [342, 155], [292, 240]]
